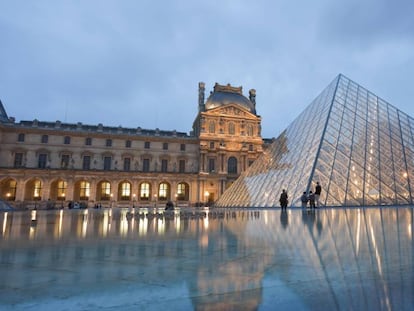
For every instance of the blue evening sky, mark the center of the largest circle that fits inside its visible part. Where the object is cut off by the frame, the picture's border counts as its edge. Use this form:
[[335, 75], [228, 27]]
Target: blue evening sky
[[138, 63]]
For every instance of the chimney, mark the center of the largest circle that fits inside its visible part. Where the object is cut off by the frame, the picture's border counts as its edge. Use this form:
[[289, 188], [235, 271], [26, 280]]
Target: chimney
[[252, 97], [201, 90]]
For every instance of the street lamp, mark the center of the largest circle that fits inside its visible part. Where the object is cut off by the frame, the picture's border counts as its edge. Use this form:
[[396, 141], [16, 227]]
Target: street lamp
[[112, 201], [155, 199], [133, 200]]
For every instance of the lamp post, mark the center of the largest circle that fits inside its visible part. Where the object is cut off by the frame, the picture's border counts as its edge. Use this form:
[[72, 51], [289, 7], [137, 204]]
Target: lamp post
[[133, 200], [112, 201], [155, 200]]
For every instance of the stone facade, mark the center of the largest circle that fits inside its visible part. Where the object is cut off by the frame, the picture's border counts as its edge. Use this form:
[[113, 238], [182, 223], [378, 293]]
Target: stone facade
[[44, 164]]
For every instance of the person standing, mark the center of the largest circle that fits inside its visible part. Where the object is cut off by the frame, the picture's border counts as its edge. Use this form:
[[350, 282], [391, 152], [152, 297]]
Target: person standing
[[311, 199], [318, 190], [283, 199], [304, 199]]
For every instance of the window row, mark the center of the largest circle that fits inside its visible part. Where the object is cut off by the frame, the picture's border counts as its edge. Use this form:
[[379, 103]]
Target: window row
[[231, 129], [231, 165], [222, 144], [88, 142], [82, 190], [108, 163]]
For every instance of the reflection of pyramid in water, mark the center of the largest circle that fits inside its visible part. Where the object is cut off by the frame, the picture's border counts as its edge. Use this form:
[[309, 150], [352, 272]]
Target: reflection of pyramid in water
[[359, 147]]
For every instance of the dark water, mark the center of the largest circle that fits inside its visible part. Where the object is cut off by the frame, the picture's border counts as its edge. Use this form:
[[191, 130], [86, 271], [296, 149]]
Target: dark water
[[328, 259]]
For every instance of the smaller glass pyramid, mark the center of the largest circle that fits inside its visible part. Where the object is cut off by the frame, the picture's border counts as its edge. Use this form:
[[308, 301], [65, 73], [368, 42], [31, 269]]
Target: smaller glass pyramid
[[356, 145]]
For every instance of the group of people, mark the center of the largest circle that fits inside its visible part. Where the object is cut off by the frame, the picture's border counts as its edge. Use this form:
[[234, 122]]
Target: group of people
[[312, 198]]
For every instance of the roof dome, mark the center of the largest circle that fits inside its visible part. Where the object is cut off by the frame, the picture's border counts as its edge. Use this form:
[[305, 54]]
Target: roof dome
[[226, 94]]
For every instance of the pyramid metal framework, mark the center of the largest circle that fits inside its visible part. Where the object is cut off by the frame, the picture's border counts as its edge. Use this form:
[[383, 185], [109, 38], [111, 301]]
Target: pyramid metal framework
[[356, 145]]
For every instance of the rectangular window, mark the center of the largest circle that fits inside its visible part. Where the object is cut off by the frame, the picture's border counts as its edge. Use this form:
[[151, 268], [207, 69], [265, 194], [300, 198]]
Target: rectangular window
[[164, 165], [86, 165], [18, 160], [212, 145], [20, 137], [211, 165], [42, 160], [182, 147], [45, 139], [147, 145], [165, 146], [181, 166], [128, 144], [88, 141], [107, 163], [66, 140], [127, 164], [109, 142], [250, 147], [65, 161], [250, 163], [146, 165]]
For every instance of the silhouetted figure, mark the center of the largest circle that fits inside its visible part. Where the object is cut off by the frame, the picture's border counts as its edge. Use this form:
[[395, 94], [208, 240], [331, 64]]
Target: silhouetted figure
[[283, 199], [169, 206], [304, 199], [318, 190], [311, 199]]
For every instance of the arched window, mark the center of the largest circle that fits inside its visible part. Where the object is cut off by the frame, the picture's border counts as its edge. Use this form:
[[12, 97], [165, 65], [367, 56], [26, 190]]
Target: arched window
[[232, 165], [212, 127], [105, 191], [9, 188], [144, 191], [125, 191], [61, 190], [182, 192], [37, 190], [232, 129], [164, 191], [85, 190]]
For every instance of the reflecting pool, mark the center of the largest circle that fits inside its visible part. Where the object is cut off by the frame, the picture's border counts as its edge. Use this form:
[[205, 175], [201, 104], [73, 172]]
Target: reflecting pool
[[238, 259]]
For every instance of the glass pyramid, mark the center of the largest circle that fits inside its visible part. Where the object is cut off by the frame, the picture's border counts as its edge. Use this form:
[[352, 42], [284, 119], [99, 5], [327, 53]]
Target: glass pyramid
[[356, 145]]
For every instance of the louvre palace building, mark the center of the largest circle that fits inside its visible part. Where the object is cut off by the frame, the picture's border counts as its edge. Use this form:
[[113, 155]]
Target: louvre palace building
[[44, 164]]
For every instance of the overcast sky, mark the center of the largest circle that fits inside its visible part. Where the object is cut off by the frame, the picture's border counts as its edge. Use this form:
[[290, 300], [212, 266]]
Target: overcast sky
[[138, 63]]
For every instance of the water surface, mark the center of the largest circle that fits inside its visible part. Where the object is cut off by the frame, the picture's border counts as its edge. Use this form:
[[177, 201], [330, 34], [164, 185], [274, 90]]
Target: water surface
[[244, 259]]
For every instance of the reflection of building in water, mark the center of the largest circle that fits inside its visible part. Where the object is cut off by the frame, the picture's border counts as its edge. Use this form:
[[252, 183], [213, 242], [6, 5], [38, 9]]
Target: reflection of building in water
[[349, 259], [359, 147]]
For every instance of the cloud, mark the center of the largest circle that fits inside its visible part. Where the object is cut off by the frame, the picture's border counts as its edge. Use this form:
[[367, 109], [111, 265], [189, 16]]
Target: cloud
[[138, 63]]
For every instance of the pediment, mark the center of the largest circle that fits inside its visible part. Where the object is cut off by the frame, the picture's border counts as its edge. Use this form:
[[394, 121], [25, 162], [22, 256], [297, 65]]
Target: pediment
[[231, 110]]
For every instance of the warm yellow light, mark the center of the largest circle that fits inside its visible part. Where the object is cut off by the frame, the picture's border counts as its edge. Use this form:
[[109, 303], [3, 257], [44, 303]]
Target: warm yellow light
[[206, 193]]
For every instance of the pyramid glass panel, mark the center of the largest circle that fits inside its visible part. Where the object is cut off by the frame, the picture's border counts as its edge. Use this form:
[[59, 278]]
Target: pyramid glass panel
[[356, 145]]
